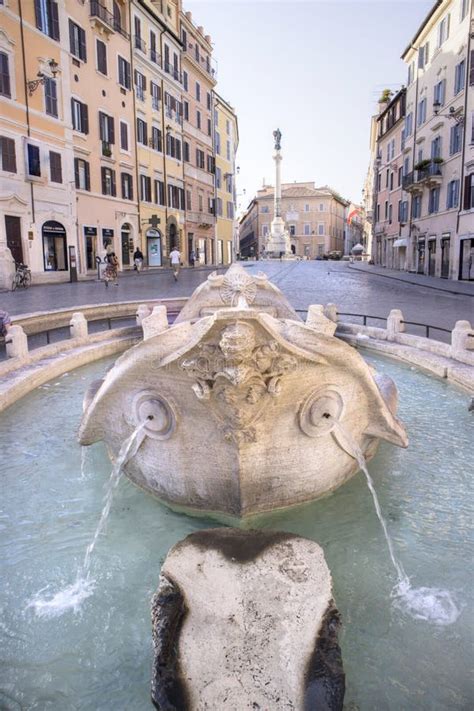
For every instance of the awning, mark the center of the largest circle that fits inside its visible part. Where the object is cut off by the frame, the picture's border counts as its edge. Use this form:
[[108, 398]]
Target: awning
[[400, 243]]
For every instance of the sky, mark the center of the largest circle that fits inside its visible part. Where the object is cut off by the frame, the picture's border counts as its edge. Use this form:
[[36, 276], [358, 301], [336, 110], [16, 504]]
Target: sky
[[314, 69]]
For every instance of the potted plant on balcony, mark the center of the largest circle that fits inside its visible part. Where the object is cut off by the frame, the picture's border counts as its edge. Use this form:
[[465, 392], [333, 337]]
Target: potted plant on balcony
[[438, 160], [422, 164], [106, 150]]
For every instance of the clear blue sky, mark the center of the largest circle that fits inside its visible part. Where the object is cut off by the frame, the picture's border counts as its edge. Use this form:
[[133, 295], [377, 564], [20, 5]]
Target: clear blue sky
[[312, 68]]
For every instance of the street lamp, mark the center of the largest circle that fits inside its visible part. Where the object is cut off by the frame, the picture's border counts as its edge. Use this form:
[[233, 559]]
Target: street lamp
[[33, 84], [453, 114]]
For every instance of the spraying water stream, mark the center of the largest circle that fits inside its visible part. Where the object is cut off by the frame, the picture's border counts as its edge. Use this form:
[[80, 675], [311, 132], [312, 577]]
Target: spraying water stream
[[429, 604], [72, 596]]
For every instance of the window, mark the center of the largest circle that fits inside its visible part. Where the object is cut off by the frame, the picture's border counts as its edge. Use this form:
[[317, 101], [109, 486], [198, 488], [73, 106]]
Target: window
[[387, 177], [80, 116], [155, 92], [421, 112], [138, 32], [153, 52], [306, 229], [123, 136], [108, 182], [186, 110], [142, 132], [200, 158], [468, 203], [81, 174], [411, 73], [55, 169], [265, 209], [423, 54], [186, 151], [47, 19], [77, 41], [51, 97], [156, 142], [436, 147], [196, 51], [391, 180], [452, 195], [208, 100], [433, 203], [459, 77], [416, 206], [292, 230], [218, 142], [101, 57], [219, 207], [106, 131], [184, 39], [189, 204], [173, 147], [218, 177], [306, 208], [211, 166], [33, 158], [440, 92], [5, 89], [403, 211], [400, 173], [185, 81], [455, 139], [198, 119], [386, 209], [8, 157], [408, 124], [127, 186], [443, 30], [209, 127], [321, 207], [140, 85], [145, 188], [159, 192], [463, 9], [390, 211], [320, 228], [228, 150], [124, 77]]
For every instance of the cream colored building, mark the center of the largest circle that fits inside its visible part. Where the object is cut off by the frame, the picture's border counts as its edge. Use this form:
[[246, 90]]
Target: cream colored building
[[438, 153], [37, 198], [313, 216], [226, 143]]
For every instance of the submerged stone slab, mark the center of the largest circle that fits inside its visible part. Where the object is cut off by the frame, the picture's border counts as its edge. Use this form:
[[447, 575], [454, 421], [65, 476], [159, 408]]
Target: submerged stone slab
[[246, 620]]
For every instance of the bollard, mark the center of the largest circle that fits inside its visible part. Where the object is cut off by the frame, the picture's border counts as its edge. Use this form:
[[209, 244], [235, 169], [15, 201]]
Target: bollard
[[78, 326], [317, 320], [155, 323], [462, 339], [394, 324], [16, 342], [142, 312], [330, 311]]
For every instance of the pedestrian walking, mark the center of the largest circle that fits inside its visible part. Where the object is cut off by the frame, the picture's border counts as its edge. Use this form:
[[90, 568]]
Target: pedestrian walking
[[192, 257], [138, 260], [175, 258], [111, 270], [5, 323]]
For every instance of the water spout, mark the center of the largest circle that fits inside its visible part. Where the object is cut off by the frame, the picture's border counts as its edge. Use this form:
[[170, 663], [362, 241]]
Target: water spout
[[72, 596], [429, 604]]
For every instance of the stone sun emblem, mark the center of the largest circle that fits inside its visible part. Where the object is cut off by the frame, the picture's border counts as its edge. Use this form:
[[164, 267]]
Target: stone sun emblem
[[238, 290]]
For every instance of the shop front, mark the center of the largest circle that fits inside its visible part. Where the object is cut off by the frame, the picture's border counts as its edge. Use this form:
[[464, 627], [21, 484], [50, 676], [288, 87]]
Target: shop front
[[154, 251], [420, 262], [90, 247], [432, 256], [445, 248], [466, 259], [400, 246], [126, 241], [54, 247]]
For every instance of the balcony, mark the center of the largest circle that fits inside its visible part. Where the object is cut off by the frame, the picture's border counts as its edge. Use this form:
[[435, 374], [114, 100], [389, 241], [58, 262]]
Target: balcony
[[155, 57], [106, 149], [104, 20], [408, 182], [202, 219], [139, 43], [431, 175], [175, 73]]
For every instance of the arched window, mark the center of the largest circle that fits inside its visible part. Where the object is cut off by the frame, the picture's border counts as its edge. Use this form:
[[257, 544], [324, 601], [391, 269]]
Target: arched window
[[117, 16]]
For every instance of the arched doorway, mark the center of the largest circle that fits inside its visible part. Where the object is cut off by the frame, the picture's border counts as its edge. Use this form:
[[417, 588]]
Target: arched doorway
[[127, 244], [54, 247], [153, 245], [173, 237]]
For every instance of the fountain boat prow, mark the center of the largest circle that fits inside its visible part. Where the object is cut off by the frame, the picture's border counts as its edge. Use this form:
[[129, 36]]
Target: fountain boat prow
[[244, 399]]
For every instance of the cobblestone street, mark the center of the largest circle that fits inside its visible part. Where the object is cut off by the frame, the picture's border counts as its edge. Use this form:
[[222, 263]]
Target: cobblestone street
[[352, 290]]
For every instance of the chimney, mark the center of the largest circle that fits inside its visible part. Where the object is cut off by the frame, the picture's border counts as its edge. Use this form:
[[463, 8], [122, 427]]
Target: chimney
[[189, 15]]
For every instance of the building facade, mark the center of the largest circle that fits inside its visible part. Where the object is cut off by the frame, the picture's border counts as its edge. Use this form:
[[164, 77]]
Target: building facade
[[226, 136], [314, 217], [99, 138], [436, 223]]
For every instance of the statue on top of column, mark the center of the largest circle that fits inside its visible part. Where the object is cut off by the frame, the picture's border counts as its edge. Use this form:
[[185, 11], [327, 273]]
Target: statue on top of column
[[277, 137]]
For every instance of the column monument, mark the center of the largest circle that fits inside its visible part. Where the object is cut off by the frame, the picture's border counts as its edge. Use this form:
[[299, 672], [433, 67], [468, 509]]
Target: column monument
[[278, 242]]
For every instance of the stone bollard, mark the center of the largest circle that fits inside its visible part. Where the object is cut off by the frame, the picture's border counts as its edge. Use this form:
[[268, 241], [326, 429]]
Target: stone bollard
[[462, 339], [16, 342], [155, 323], [317, 320], [142, 312], [78, 325], [330, 311], [394, 324]]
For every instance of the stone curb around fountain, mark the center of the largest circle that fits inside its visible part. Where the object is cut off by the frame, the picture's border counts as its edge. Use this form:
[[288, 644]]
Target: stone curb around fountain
[[260, 604]]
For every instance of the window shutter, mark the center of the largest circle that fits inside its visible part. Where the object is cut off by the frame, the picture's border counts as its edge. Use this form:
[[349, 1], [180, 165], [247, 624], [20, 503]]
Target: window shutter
[[76, 172], [104, 187], [102, 119], [114, 189], [84, 118], [4, 76], [88, 175], [111, 123], [127, 74], [135, 77], [144, 82], [82, 45], [427, 52], [38, 15], [72, 48], [467, 192], [54, 20], [471, 69]]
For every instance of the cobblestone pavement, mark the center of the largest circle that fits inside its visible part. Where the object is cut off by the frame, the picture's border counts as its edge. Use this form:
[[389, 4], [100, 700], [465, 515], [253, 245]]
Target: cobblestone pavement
[[304, 283]]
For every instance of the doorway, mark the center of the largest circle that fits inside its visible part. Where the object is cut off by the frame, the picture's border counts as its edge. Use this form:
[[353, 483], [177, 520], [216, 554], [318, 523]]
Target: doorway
[[173, 237], [431, 257], [125, 237], [191, 247], [445, 247], [466, 261], [153, 245], [421, 257], [13, 230], [54, 247]]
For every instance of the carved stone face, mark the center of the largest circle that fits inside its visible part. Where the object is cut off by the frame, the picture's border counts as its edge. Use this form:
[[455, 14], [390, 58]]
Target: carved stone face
[[237, 341]]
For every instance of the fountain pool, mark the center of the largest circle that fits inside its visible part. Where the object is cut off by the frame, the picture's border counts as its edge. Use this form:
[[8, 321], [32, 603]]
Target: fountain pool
[[100, 656]]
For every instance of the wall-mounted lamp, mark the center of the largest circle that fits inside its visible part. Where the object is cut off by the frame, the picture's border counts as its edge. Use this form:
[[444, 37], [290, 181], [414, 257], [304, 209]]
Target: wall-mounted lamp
[[33, 84], [453, 114]]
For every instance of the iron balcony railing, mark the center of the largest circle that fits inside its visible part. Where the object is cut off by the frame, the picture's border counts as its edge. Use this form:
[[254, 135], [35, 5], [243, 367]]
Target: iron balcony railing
[[155, 57], [171, 69], [408, 180], [139, 43], [433, 169], [100, 11]]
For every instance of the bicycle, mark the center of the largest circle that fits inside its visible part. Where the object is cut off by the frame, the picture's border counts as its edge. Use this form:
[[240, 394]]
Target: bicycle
[[22, 278]]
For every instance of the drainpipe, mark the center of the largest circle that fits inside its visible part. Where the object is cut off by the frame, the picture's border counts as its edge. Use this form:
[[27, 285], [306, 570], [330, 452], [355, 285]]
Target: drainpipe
[[132, 79], [463, 154], [415, 118], [27, 103]]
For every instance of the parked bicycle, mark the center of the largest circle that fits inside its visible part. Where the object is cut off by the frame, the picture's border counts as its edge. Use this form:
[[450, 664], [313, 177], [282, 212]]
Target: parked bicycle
[[22, 278]]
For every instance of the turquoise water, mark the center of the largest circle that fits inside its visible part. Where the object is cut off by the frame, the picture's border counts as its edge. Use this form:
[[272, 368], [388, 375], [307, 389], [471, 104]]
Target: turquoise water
[[99, 657]]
